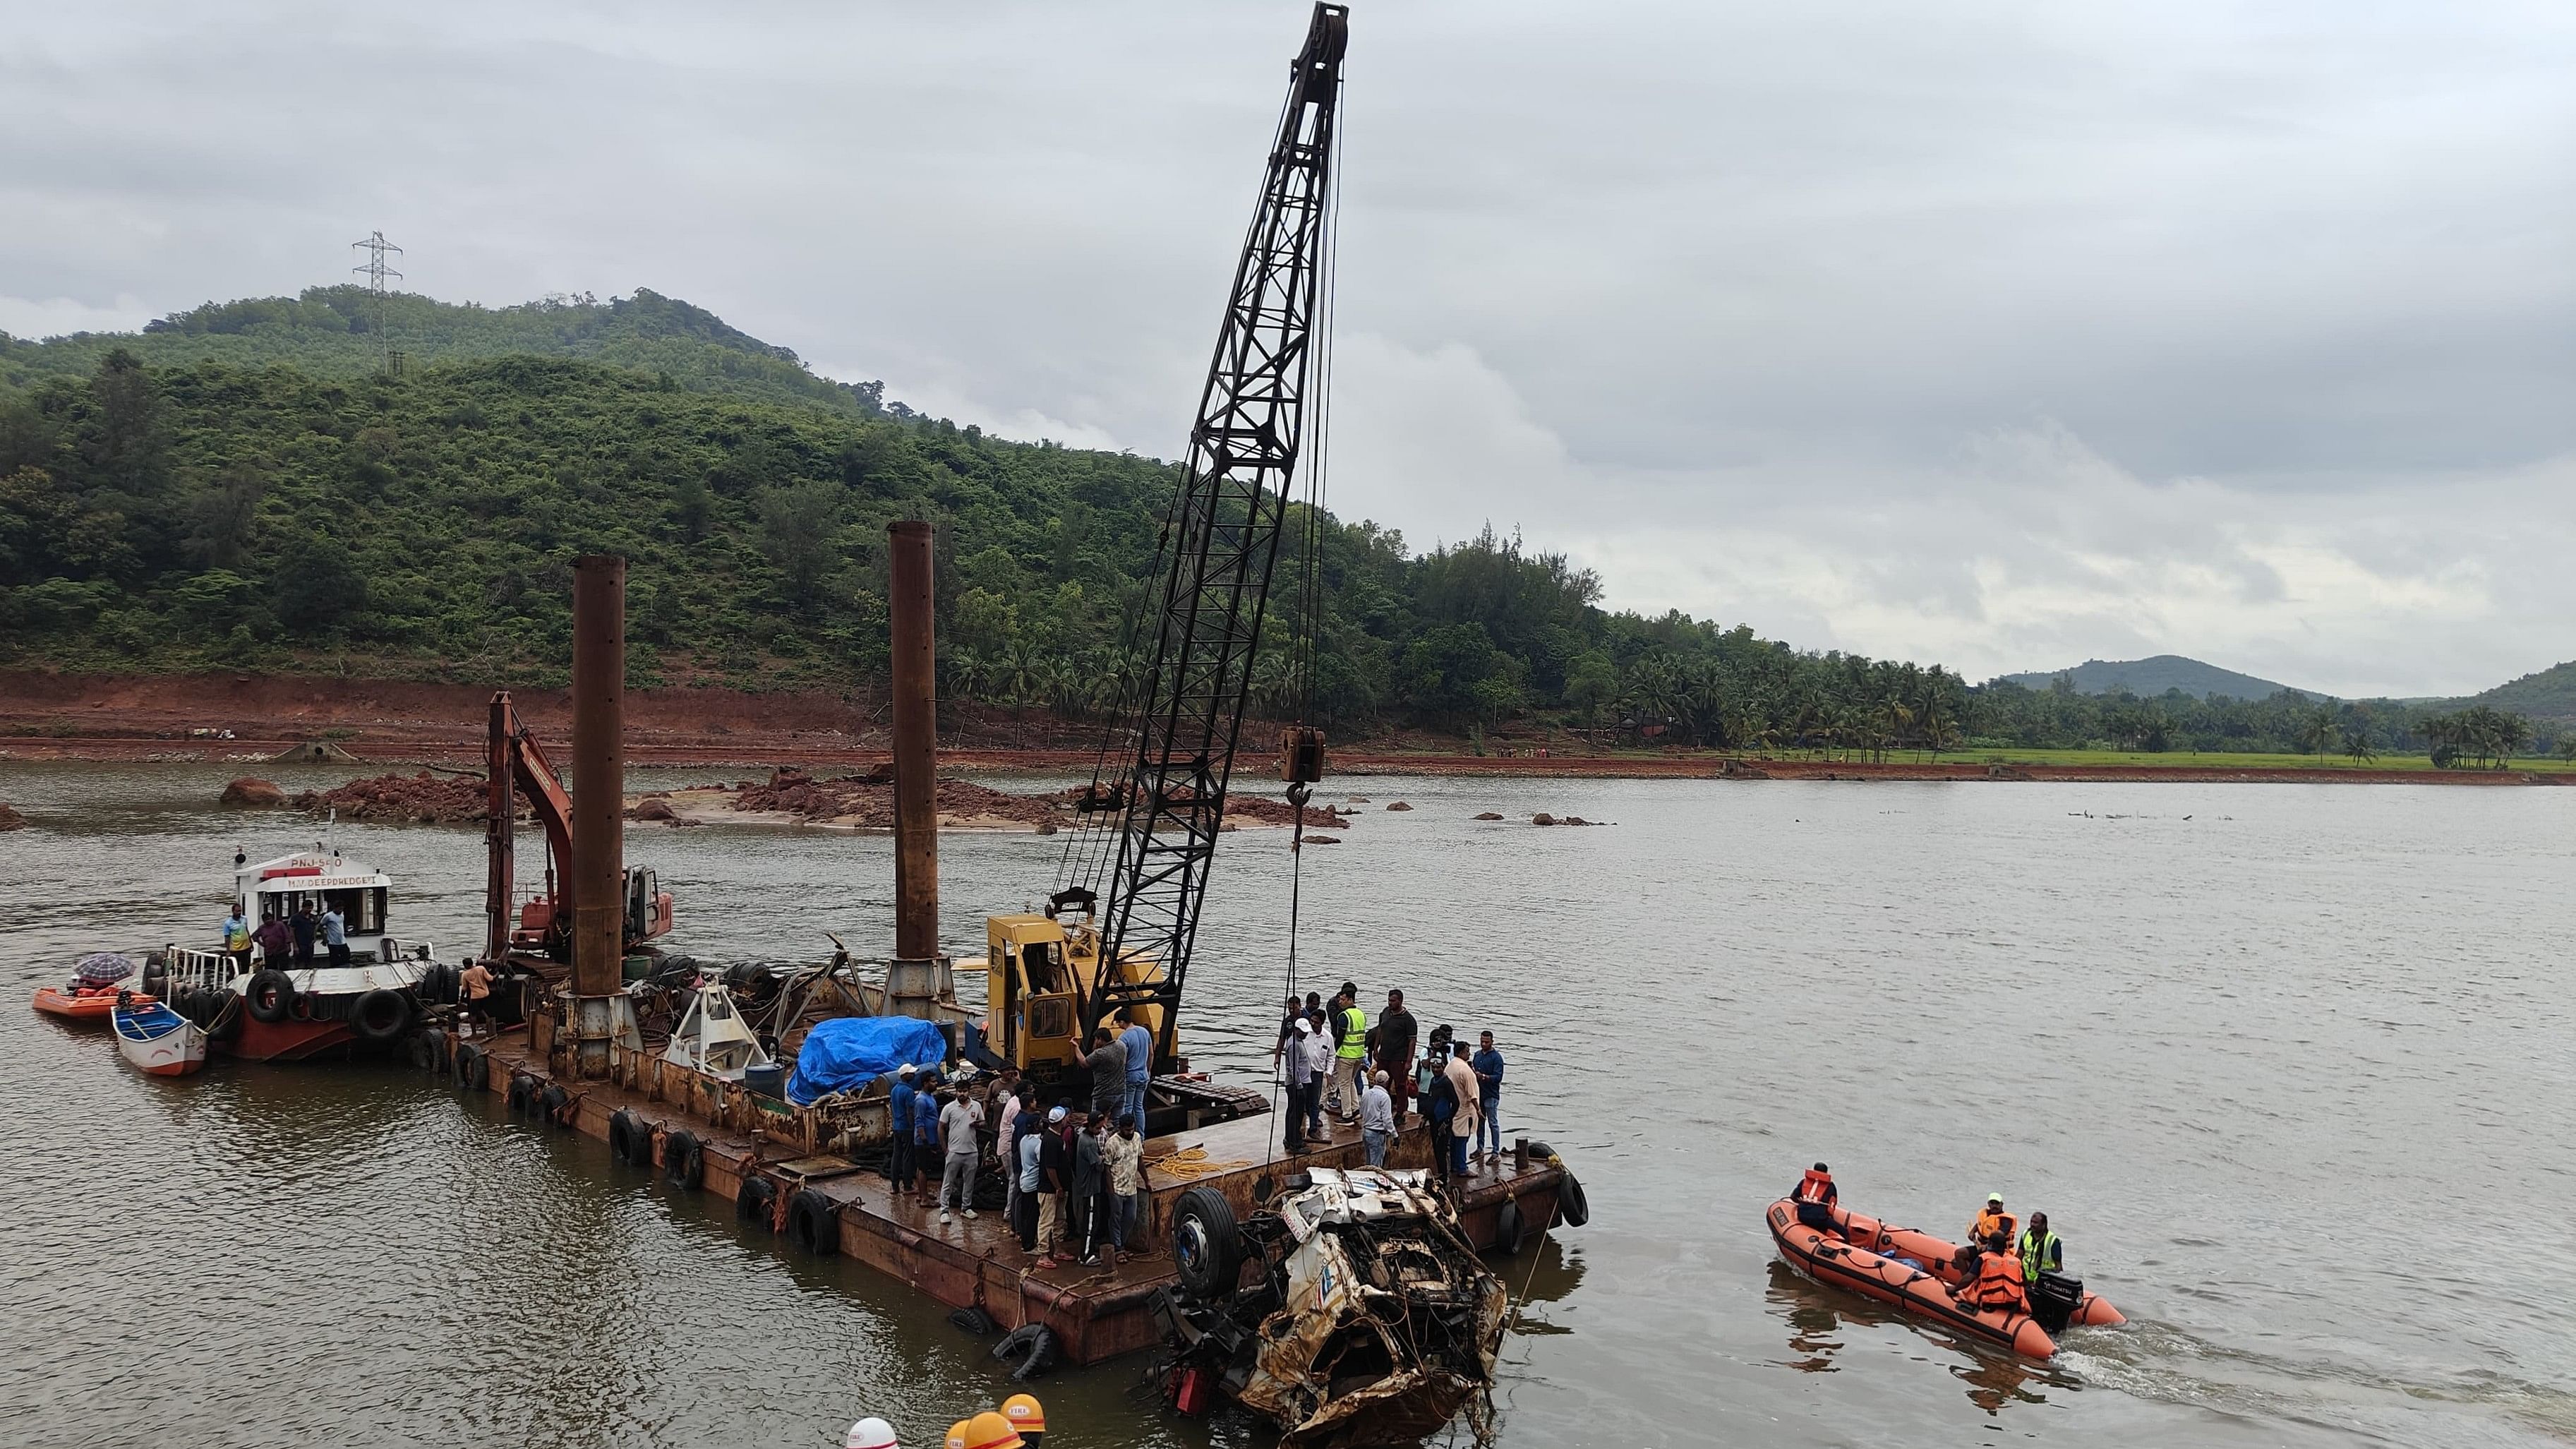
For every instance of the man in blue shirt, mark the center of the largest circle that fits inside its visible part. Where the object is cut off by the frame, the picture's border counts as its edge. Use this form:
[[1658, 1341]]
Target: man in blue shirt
[[1140, 1064], [925, 1136], [335, 935], [899, 1128], [1489, 1096]]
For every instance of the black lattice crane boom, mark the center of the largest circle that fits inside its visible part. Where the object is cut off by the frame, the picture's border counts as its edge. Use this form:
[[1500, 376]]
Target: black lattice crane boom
[[1221, 542]]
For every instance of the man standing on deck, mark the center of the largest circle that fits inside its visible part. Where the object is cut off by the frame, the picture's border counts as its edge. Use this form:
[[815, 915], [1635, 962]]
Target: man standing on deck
[[335, 934], [1462, 1127], [1397, 1035], [1350, 1026], [1108, 1063], [1025, 1150], [275, 940], [1125, 1153], [1377, 1119], [1294, 1075], [1289, 1016], [1006, 1141], [1090, 1183], [1489, 1097], [1055, 1181], [957, 1170], [925, 1135], [899, 1129], [1139, 1044], [306, 927], [237, 939]]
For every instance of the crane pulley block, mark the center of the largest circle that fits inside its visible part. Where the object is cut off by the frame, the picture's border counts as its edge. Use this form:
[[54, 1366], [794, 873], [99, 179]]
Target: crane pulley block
[[1301, 755]]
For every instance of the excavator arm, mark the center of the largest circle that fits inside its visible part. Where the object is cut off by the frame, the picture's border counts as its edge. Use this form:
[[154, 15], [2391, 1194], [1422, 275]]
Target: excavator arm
[[514, 763]]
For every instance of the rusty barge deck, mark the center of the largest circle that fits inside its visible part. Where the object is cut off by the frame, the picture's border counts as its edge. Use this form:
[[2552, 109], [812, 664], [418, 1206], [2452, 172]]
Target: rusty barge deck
[[1095, 1314]]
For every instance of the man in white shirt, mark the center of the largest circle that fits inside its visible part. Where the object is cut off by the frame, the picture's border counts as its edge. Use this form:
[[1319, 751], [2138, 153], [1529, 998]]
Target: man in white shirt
[[1317, 1049], [957, 1179], [1294, 1073]]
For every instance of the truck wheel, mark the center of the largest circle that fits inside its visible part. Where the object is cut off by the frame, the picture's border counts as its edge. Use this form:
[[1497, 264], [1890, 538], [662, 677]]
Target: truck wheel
[[1206, 1247]]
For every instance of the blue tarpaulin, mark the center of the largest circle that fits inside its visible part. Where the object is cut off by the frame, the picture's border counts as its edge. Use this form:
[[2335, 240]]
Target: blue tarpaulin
[[848, 1052]]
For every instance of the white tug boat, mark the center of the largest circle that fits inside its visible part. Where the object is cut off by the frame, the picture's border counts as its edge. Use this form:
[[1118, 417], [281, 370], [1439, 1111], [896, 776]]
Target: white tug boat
[[302, 1000]]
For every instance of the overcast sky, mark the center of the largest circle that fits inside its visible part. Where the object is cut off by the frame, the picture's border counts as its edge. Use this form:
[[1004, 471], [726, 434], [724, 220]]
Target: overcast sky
[[2002, 335]]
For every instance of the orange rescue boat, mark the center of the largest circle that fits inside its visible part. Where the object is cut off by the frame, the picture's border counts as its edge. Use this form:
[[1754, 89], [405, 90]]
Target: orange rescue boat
[[1913, 1271]]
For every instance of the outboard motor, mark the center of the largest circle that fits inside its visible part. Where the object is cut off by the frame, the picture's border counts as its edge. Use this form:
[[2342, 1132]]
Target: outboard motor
[[2054, 1299]]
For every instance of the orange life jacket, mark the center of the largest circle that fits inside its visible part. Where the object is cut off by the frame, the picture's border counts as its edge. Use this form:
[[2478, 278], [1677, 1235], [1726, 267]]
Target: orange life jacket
[[1816, 1187], [1998, 1283], [1988, 1225]]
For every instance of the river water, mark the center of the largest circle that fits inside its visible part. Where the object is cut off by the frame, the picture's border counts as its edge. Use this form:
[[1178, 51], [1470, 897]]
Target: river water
[[2288, 1066]]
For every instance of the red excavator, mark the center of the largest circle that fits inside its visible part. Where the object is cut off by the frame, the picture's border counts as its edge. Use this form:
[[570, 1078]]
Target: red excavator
[[513, 763]]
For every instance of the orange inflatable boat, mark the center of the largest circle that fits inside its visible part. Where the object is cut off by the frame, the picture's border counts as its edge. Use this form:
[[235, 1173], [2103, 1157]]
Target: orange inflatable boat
[[82, 1005], [1913, 1271]]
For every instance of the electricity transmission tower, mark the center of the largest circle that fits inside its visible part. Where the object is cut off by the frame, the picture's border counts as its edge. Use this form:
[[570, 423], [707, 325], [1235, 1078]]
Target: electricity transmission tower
[[375, 270]]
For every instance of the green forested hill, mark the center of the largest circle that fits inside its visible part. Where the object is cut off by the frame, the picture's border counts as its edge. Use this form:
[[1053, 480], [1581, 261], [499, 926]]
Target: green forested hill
[[2548, 695], [245, 486], [2154, 675], [334, 332]]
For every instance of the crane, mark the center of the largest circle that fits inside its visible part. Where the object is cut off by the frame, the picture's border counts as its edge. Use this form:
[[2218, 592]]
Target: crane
[[1137, 873]]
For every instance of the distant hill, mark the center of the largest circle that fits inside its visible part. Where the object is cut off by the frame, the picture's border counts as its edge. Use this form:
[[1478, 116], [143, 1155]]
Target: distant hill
[[332, 332], [2548, 695], [2147, 678]]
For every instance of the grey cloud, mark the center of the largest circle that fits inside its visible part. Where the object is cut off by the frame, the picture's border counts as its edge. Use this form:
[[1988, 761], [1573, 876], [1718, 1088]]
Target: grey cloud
[[2293, 287]]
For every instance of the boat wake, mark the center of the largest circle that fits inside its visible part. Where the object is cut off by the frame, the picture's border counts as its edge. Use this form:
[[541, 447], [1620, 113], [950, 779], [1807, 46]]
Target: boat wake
[[2164, 1363]]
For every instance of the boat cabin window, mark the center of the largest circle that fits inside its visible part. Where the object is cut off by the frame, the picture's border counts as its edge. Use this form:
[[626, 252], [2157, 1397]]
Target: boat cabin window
[[361, 907]]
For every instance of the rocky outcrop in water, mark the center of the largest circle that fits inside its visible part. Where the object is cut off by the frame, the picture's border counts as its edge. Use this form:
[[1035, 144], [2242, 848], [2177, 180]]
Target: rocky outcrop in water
[[422, 799], [11, 819], [253, 793]]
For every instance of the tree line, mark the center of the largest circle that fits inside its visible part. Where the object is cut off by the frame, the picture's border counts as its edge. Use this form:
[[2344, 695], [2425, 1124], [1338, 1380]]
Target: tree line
[[208, 514]]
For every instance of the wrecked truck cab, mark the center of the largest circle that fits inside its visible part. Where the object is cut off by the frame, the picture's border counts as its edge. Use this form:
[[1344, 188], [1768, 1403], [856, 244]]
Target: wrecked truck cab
[[1351, 1310]]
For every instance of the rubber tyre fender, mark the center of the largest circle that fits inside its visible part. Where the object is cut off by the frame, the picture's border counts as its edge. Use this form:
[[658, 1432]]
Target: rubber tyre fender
[[1541, 1152], [523, 1090], [1509, 1229], [423, 1051], [972, 1320], [230, 1012], [1572, 1208], [753, 1203], [813, 1224], [1207, 1248], [1033, 1344], [623, 1128], [554, 1101], [272, 996], [380, 1016], [684, 1161], [465, 1068], [156, 979]]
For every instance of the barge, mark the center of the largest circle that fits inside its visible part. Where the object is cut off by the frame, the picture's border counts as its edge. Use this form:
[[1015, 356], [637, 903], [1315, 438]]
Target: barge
[[706, 1133]]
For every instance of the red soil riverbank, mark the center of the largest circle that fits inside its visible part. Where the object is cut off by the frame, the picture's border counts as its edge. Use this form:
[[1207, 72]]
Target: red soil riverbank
[[72, 717]]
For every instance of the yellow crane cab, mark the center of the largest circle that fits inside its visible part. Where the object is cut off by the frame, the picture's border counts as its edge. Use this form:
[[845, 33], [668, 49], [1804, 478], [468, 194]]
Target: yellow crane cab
[[1042, 967]]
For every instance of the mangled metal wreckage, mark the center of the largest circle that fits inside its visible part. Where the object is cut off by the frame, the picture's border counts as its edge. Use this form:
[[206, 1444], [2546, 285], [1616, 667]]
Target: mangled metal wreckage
[[1369, 1320]]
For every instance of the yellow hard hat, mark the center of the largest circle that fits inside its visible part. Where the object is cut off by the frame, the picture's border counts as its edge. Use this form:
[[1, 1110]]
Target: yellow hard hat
[[989, 1430], [956, 1435], [1023, 1412]]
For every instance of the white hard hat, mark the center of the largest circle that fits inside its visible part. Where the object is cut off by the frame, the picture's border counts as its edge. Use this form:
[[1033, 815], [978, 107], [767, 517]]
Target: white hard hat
[[1305, 1027], [904, 1071], [871, 1434]]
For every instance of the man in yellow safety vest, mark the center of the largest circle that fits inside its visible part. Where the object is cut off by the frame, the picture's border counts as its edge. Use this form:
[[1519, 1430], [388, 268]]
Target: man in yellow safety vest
[[1350, 1025]]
